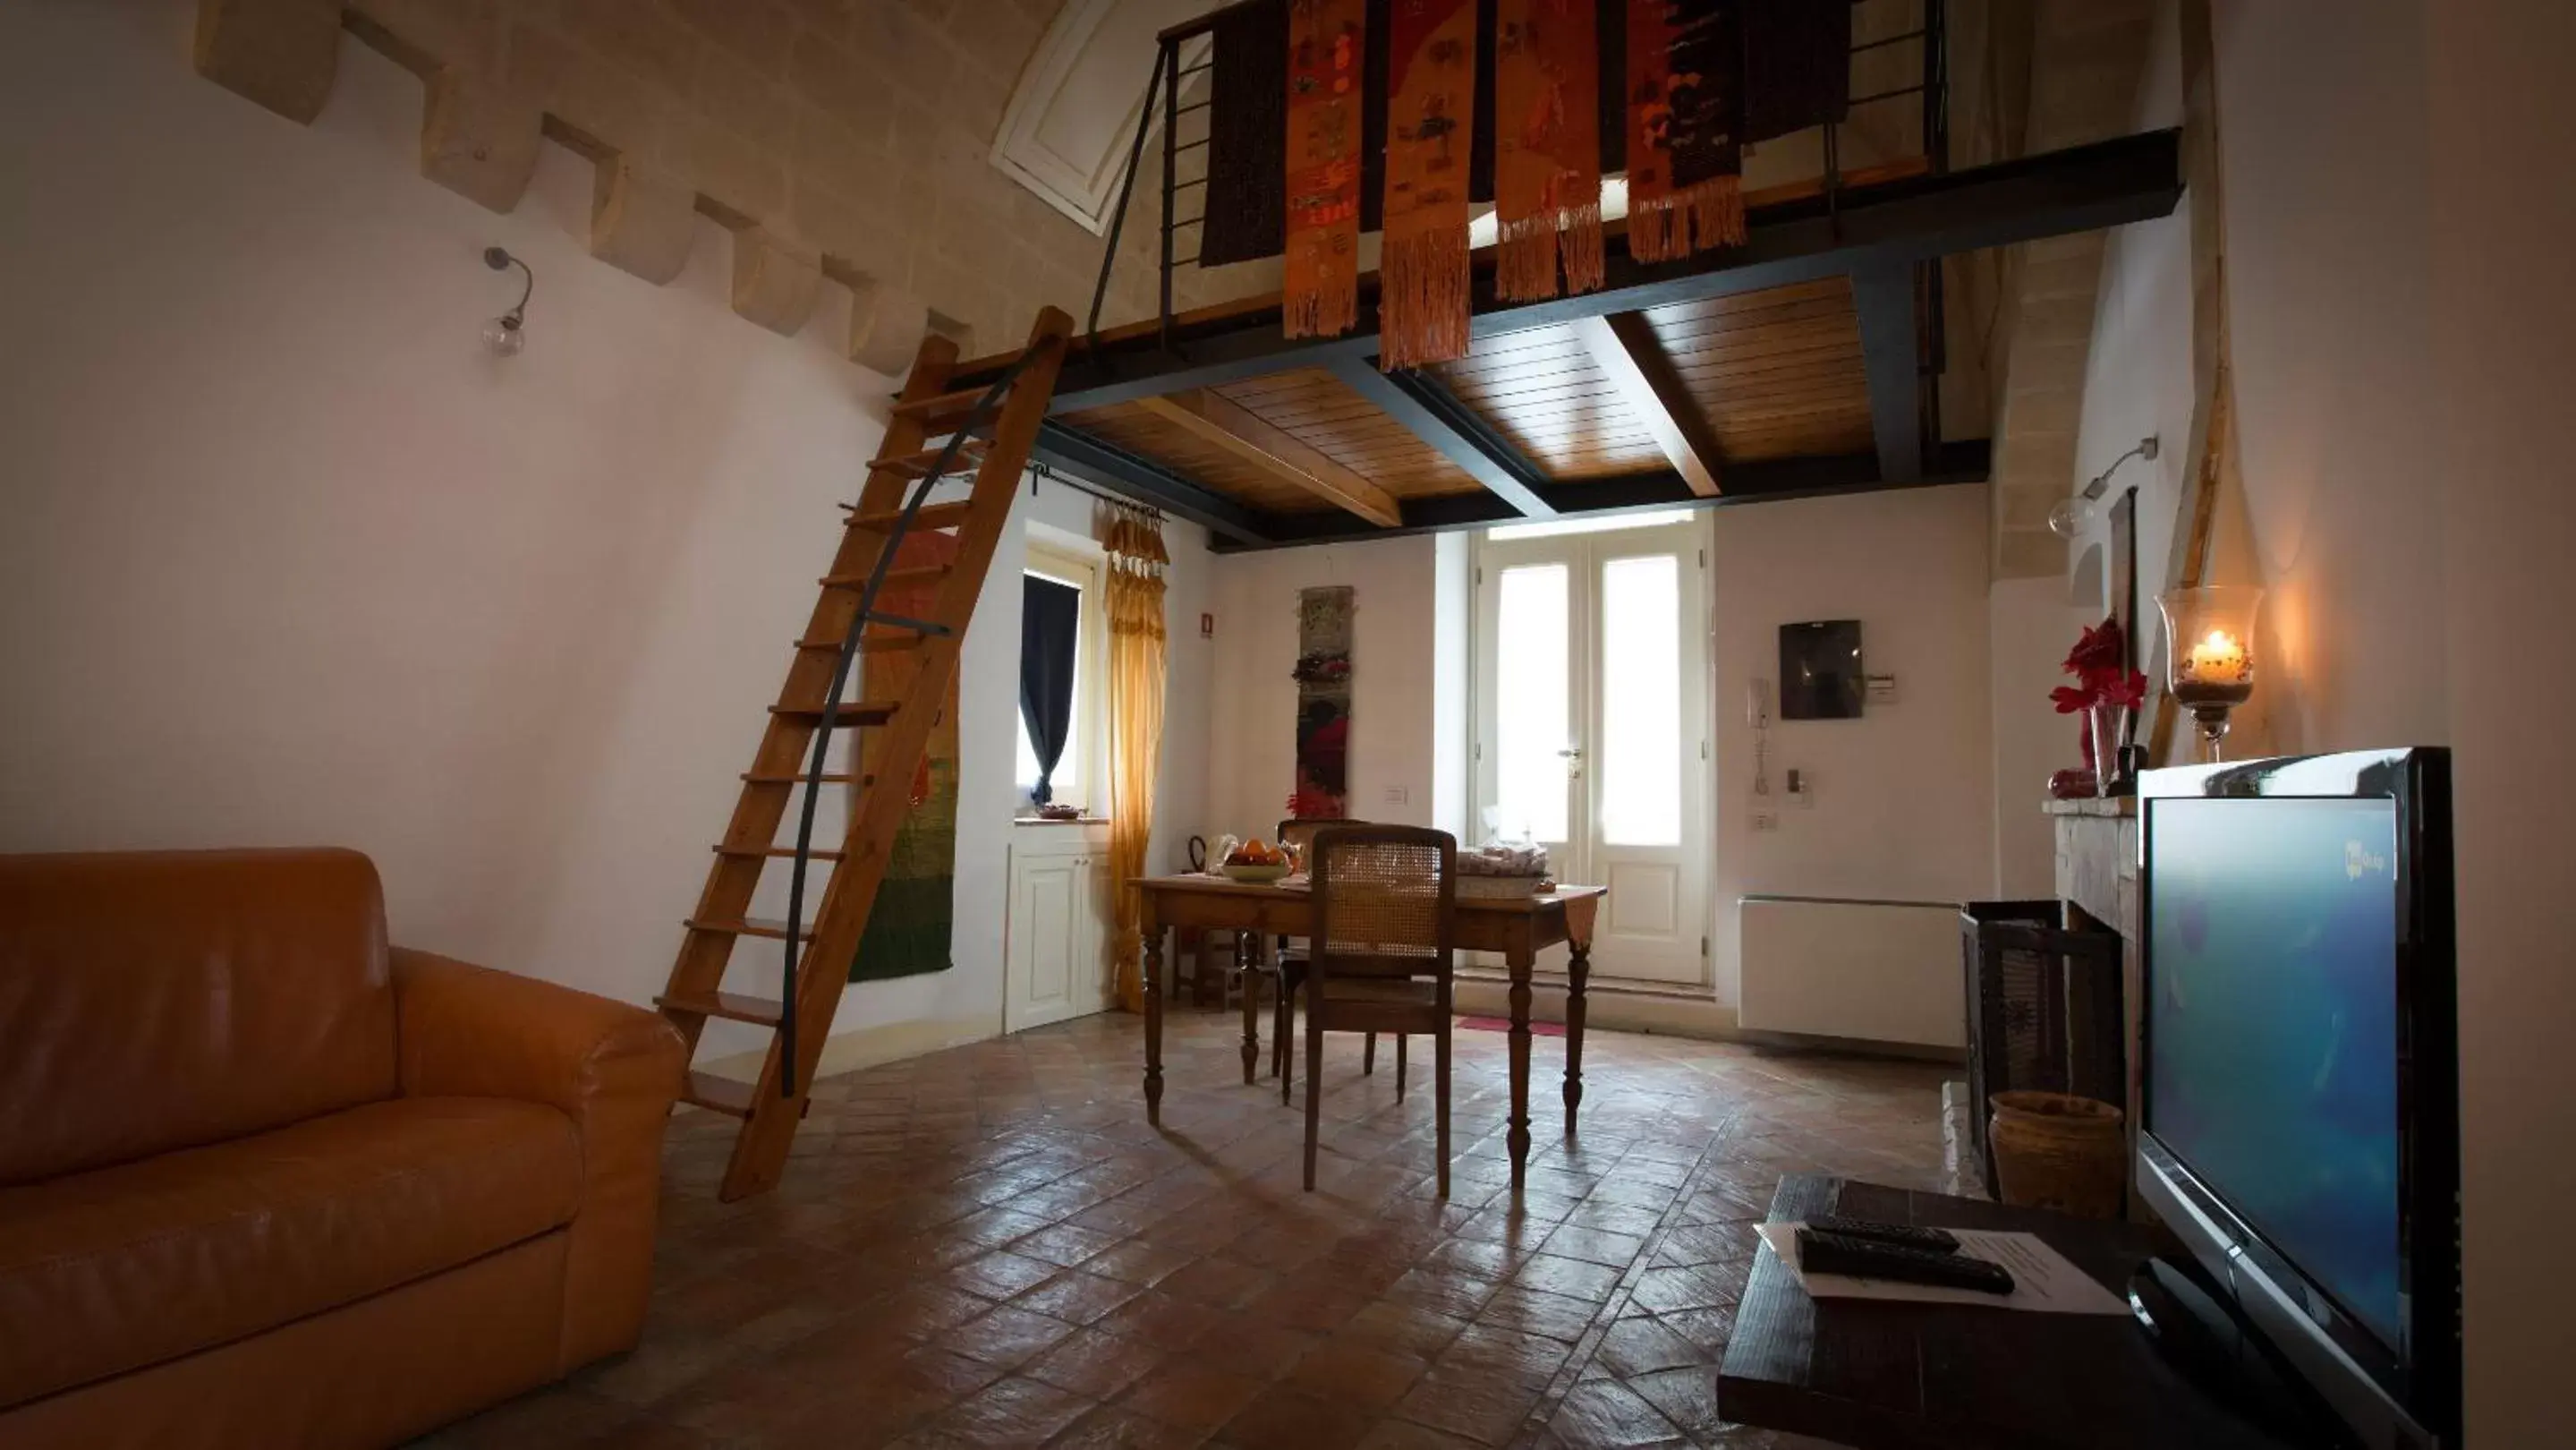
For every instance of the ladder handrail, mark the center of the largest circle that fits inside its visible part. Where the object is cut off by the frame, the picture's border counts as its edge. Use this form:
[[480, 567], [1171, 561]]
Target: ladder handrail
[[859, 620]]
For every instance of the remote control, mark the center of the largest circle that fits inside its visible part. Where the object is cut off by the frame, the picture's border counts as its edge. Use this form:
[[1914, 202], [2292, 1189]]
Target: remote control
[[1904, 1236], [1830, 1253]]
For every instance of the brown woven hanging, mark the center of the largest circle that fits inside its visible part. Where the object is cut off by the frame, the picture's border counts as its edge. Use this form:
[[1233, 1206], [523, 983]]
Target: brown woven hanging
[[1547, 148], [1685, 160], [1423, 299], [1325, 43]]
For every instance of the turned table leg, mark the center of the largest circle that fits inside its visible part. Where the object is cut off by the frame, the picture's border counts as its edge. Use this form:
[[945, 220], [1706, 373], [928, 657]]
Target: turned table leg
[[1153, 1015], [1251, 973], [1578, 972], [1518, 1138]]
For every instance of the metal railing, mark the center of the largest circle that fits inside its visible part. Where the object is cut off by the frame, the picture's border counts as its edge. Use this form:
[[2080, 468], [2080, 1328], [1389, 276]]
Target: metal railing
[[1163, 89]]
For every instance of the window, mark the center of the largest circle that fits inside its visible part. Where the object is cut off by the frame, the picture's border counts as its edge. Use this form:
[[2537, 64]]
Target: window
[[1081, 772]]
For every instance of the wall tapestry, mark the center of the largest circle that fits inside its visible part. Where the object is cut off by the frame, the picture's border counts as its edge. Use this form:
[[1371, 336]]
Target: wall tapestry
[[1323, 705], [910, 927]]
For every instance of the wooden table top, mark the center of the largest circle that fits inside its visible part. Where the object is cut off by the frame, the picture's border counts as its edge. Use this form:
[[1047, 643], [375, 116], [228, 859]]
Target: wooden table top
[[1879, 1374], [1227, 886]]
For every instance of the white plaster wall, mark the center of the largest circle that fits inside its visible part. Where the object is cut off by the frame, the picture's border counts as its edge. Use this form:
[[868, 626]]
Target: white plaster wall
[[2030, 627], [1253, 751], [290, 560], [1904, 795], [2501, 209]]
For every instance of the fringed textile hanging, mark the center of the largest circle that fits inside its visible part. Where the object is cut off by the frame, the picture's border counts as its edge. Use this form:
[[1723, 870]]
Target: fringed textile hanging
[[1326, 38], [1547, 148], [1685, 162], [1431, 102]]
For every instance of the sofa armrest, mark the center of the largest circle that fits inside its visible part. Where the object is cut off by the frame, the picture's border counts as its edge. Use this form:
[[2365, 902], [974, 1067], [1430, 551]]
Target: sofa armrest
[[468, 1031]]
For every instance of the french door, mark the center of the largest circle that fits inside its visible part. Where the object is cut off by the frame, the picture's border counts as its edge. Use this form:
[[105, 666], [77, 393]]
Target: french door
[[1592, 727]]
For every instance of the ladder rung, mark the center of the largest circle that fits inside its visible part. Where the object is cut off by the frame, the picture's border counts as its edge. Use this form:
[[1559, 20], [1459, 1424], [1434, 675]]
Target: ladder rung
[[719, 1094], [875, 641], [775, 852], [918, 465], [732, 1006], [751, 926], [923, 626], [946, 405], [852, 712], [928, 516], [904, 575], [827, 778]]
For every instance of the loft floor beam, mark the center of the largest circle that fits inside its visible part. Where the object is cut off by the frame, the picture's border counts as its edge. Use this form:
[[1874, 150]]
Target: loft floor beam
[[1435, 415], [1227, 424], [1623, 346], [1769, 481], [1891, 350], [2079, 189]]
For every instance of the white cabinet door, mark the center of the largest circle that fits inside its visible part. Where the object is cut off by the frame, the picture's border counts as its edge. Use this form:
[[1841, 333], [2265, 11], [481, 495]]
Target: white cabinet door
[[1056, 942]]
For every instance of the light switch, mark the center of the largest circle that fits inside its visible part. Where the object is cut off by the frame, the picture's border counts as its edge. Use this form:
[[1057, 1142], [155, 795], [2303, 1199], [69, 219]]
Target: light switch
[[1397, 795]]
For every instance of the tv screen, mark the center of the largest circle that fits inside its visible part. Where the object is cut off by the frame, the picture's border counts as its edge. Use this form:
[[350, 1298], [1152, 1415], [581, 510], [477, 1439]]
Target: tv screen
[[2272, 1036]]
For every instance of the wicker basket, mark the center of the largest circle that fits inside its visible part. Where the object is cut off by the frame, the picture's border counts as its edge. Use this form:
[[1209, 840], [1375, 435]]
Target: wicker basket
[[2061, 1152], [1503, 887]]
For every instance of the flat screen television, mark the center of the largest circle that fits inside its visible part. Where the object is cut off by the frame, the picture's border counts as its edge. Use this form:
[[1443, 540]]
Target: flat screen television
[[2299, 1117]]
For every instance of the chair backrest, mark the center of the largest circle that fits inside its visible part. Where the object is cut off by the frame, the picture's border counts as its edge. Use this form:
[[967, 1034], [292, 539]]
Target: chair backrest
[[1385, 901]]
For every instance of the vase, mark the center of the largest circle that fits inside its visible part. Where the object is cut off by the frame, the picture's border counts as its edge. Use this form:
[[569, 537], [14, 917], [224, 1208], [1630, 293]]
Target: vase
[[2104, 722], [2061, 1152]]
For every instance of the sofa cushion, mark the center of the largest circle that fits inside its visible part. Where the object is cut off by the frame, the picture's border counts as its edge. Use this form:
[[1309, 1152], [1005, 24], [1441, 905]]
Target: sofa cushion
[[164, 1000], [140, 1263]]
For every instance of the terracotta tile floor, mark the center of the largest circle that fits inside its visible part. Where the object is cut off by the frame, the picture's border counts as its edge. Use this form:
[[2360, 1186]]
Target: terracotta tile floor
[[988, 1246]]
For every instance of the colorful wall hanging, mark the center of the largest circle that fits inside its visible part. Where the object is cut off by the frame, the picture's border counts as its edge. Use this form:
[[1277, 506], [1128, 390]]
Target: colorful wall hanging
[[1320, 297], [911, 926], [1431, 104], [1323, 677], [1685, 158], [1547, 148]]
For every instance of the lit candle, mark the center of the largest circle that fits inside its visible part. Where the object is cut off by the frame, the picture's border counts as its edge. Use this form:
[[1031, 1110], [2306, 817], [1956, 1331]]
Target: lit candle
[[2217, 660]]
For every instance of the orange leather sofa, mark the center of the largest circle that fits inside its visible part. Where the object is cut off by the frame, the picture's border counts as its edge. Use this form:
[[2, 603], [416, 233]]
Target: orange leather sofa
[[265, 1181]]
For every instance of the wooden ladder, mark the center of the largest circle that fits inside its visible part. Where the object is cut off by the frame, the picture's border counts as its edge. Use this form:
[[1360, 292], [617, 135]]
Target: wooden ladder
[[992, 430]]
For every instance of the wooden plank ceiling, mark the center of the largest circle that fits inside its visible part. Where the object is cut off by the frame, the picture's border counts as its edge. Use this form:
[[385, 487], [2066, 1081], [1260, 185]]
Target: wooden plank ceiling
[[1772, 374]]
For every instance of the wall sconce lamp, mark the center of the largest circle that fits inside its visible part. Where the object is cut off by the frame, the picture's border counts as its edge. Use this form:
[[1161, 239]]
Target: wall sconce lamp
[[506, 334], [2209, 653], [2074, 515]]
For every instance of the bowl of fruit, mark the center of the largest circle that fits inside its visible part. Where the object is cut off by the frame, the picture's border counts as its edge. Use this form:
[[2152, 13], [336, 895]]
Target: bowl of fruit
[[1256, 860]]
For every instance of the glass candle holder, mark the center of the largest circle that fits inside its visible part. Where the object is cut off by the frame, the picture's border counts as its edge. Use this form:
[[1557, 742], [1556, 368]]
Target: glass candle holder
[[2209, 654]]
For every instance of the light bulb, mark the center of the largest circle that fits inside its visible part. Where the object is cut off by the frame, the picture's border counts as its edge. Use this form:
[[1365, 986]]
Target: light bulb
[[2072, 515], [504, 336]]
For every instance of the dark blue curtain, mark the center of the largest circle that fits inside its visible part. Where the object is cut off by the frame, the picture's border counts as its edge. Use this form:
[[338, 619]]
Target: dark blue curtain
[[1050, 614]]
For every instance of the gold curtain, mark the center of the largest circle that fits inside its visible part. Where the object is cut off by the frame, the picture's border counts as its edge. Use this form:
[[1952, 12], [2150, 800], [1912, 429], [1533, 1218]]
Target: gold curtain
[[1136, 649]]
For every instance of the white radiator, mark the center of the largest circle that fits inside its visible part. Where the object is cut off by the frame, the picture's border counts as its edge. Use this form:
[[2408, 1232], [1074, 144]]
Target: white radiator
[[1876, 971]]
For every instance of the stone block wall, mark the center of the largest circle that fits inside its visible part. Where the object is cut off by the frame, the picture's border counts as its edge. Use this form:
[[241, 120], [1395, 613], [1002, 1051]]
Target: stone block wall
[[836, 138]]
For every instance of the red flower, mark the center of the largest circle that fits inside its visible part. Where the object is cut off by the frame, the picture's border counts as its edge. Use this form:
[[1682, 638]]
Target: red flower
[[2128, 691], [2101, 648], [2069, 699]]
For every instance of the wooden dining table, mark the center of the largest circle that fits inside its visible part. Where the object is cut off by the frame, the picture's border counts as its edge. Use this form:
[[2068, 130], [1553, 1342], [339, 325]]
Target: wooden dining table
[[1519, 927]]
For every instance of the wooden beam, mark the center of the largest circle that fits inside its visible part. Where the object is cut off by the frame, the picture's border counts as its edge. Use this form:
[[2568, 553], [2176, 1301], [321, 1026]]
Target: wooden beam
[[1623, 345], [1891, 353], [1236, 429], [1105, 465], [1435, 415]]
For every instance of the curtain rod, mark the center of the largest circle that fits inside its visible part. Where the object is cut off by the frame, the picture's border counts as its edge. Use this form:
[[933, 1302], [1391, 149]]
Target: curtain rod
[[1039, 470]]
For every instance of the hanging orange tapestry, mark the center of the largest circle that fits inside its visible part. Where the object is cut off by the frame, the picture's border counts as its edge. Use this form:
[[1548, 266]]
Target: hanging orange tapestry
[[1685, 161], [1326, 41], [1430, 116], [1547, 147]]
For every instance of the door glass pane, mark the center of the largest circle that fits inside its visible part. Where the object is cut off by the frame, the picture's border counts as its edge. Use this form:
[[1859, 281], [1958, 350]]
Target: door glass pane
[[1530, 704], [1641, 701]]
